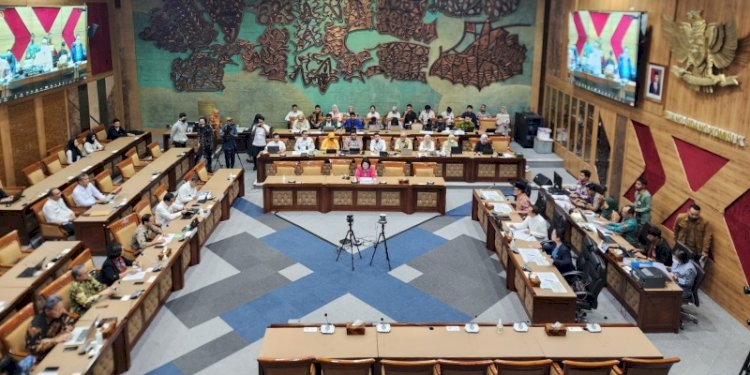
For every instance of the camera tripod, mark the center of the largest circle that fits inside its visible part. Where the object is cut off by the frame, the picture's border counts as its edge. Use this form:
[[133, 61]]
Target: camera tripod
[[349, 240], [219, 156], [378, 241]]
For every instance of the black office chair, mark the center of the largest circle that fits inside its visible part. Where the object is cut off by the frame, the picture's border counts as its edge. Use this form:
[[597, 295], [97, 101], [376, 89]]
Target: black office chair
[[642, 234], [542, 180], [541, 204], [692, 298], [588, 280]]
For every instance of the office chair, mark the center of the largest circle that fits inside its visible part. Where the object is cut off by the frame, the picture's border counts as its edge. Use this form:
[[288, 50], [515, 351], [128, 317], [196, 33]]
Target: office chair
[[693, 297], [542, 180], [588, 280], [541, 204], [642, 234]]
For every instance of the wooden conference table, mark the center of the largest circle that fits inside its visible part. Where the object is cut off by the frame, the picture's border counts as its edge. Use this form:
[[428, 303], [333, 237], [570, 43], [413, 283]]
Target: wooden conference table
[[432, 341], [167, 169], [332, 193], [468, 166], [134, 315], [18, 216], [654, 309], [542, 305]]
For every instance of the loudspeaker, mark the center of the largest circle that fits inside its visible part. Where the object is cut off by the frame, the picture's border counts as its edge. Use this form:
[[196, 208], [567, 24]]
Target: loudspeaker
[[526, 127]]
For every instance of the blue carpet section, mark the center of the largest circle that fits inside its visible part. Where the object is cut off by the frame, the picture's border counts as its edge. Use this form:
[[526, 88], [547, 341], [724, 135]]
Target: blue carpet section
[[167, 369], [462, 210], [248, 208]]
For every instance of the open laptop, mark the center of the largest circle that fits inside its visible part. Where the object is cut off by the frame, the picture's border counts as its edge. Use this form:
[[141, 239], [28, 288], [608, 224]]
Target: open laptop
[[273, 149], [82, 335], [456, 150], [606, 238], [30, 271], [407, 152], [331, 151], [12, 199], [354, 151], [327, 129]]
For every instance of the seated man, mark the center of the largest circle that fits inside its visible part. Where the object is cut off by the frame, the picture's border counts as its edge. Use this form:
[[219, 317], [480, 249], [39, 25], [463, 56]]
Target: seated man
[[427, 144], [301, 123], [187, 192], [304, 143], [484, 146], [85, 290], [353, 142], [329, 123], [165, 210], [534, 224], [116, 131], [86, 194], [656, 248], [276, 142], [56, 212], [403, 143], [377, 145], [594, 200], [147, 234], [330, 143], [353, 122], [627, 227], [49, 327], [440, 124], [561, 257]]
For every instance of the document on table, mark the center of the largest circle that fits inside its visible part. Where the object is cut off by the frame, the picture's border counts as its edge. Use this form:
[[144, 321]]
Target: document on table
[[135, 276], [502, 208], [490, 195], [661, 267], [522, 235], [533, 256], [550, 281], [167, 238]]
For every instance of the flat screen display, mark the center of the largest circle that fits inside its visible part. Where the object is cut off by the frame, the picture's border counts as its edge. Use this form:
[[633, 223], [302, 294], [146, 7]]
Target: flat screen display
[[603, 52], [41, 48]]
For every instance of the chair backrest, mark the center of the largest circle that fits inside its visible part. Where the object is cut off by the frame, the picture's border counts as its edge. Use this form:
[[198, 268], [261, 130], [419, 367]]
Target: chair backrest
[[155, 149], [61, 287], [85, 259], [122, 231], [37, 209], [538, 367], [340, 167], [285, 168], [133, 155], [588, 368], [699, 276], [451, 367], [13, 331], [100, 132], [596, 271], [312, 167], [34, 172], [416, 126], [637, 366], [346, 366], [68, 194], [160, 192], [293, 366], [500, 143], [126, 168], [394, 168], [201, 170], [373, 163], [52, 163], [10, 248], [424, 169], [143, 207], [55, 149], [104, 182], [389, 367]]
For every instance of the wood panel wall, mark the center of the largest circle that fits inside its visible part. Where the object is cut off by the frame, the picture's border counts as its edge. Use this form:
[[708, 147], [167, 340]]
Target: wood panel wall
[[727, 108]]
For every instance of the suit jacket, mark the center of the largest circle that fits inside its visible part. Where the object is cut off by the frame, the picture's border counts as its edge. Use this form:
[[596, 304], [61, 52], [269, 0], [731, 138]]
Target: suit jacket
[[113, 133], [109, 272], [563, 260], [696, 236]]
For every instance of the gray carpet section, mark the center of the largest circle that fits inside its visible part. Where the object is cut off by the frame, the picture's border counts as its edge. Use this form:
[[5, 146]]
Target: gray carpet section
[[274, 222], [210, 353], [437, 223], [461, 274]]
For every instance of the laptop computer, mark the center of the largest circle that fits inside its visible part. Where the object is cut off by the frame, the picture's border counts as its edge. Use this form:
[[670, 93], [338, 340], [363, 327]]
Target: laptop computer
[[12, 199], [487, 151], [82, 335], [30, 271], [273, 149], [606, 238], [354, 151], [407, 152], [383, 153], [331, 151], [327, 129], [456, 150]]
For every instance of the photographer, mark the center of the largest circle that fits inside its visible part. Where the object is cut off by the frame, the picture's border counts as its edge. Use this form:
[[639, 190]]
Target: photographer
[[206, 140], [229, 141]]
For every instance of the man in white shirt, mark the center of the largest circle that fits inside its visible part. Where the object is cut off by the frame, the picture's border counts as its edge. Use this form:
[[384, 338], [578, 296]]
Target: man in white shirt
[[258, 133], [377, 145], [277, 142], [304, 143], [293, 114], [534, 224], [178, 133], [187, 192], [166, 211], [86, 194], [502, 120], [56, 212], [426, 115], [393, 118], [427, 144]]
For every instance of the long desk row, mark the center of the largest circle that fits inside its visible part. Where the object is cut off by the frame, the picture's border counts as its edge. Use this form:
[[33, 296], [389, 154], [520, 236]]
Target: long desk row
[[468, 167], [654, 309], [542, 305], [161, 278], [18, 216], [168, 169], [432, 341], [332, 193]]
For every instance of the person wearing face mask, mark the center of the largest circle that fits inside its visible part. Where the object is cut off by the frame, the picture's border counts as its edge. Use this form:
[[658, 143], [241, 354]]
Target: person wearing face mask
[[627, 227], [693, 231], [683, 272]]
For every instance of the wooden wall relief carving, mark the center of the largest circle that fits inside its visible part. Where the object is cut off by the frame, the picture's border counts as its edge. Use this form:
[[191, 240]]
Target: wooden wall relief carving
[[307, 25], [403, 19], [199, 72], [403, 61], [274, 53], [334, 41], [226, 13], [178, 26], [494, 9], [273, 12], [316, 69], [358, 14], [350, 65]]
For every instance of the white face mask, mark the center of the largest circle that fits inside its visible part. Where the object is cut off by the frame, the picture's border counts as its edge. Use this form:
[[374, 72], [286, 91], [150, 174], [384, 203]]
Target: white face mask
[[675, 260]]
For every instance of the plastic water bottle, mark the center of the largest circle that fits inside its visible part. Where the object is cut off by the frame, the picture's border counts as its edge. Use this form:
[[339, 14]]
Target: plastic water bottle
[[283, 179]]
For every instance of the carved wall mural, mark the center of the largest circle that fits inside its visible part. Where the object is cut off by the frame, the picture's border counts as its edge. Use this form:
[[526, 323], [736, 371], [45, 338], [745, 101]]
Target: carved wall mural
[[319, 47]]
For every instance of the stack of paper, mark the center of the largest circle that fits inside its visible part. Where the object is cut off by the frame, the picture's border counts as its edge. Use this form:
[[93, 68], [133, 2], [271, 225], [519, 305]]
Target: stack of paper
[[533, 256], [491, 195], [550, 281], [522, 235], [503, 208]]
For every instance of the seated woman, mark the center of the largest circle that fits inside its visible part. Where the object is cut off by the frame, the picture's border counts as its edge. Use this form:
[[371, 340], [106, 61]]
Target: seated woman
[[448, 144], [427, 144], [683, 272], [610, 211], [330, 143], [115, 266], [92, 145], [365, 169], [561, 257], [73, 151], [522, 202]]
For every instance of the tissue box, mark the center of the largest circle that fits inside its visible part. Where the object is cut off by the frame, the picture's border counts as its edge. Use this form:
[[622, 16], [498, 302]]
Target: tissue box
[[353, 330], [551, 330]]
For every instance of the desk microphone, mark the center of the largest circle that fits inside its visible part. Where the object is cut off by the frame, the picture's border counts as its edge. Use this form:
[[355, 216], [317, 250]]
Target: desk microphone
[[383, 327], [327, 328], [472, 327]]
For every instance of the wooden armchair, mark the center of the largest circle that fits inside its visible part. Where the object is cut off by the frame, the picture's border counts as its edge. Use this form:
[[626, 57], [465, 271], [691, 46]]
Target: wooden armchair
[[202, 172], [126, 168], [10, 251], [584, 368], [450, 367], [424, 169], [132, 154], [61, 287], [59, 151], [500, 143], [358, 162], [154, 149], [428, 367], [67, 194], [312, 167], [11, 189], [85, 259], [637, 366], [340, 167], [34, 172], [293, 366], [13, 332], [143, 207], [122, 231], [538, 367], [48, 231], [285, 168], [160, 192], [52, 163], [100, 132], [346, 366], [104, 182], [394, 168]]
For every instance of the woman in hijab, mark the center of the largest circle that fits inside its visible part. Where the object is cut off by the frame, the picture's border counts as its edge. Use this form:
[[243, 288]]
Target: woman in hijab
[[610, 211]]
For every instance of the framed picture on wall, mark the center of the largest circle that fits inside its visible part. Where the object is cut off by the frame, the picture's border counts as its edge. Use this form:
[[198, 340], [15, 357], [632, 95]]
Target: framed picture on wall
[[655, 82]]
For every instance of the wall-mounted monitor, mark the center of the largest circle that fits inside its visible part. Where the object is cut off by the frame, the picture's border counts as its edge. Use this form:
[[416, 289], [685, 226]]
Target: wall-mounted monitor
[[604, 52], [41, 48]]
